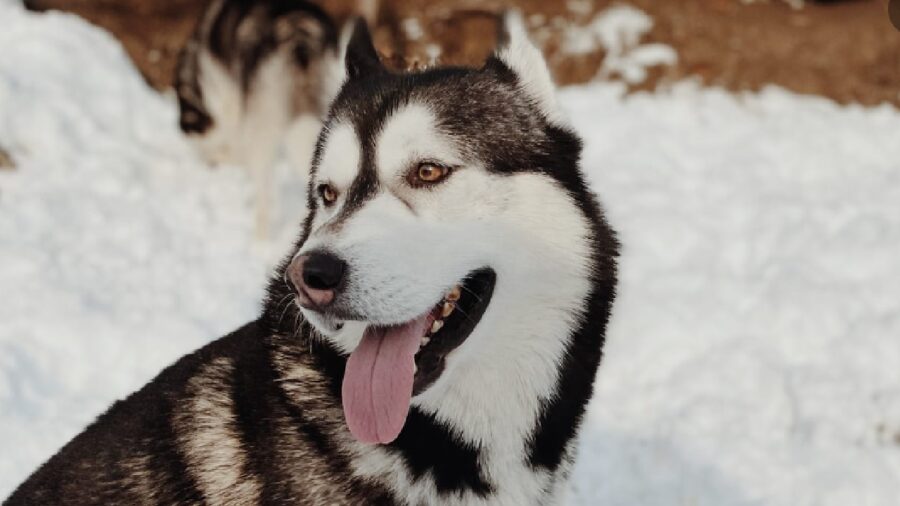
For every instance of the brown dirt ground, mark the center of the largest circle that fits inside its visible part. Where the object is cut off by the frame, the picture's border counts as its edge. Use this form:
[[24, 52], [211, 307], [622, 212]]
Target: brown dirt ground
[[846, 50]]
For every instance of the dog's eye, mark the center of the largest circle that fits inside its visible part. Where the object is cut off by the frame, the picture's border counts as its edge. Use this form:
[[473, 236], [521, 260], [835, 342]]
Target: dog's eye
[[328, 194], [428, 173]]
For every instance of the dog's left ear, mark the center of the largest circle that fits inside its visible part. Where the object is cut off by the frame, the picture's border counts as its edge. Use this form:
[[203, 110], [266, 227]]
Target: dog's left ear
[[517, 53], [361, 58], [355, 57]]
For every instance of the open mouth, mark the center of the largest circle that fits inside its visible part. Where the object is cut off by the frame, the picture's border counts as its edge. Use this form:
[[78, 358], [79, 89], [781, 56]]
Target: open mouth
[[454, 318], [393, 363]]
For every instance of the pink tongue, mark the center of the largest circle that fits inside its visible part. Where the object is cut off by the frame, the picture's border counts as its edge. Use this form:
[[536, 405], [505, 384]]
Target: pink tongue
[[378, 380]]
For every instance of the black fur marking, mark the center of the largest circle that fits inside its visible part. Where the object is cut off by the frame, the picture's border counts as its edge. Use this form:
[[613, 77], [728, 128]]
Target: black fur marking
[[428, 446], [561, 417], [253, 393], [363, 188], [168, 462]]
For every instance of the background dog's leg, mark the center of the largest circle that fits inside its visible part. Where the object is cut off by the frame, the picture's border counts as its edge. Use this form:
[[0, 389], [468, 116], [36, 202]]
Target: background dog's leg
[[269, 112], [263, 191]]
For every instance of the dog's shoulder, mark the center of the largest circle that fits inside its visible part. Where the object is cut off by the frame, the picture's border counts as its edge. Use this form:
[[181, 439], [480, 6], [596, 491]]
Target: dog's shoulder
[[249, 418], [133, 450]]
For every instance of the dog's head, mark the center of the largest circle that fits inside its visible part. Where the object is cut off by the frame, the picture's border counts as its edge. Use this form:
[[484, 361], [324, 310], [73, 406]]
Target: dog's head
[[447, 211]]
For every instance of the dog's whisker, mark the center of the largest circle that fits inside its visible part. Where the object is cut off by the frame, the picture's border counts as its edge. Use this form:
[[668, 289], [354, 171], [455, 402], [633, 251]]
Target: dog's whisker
[[473, 294], [297, 324], [464, 313], [287, 301]]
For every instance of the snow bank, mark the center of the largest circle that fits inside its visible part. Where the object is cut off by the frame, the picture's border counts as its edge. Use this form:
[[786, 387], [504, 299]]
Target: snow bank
[[753, 356], [754, 352]]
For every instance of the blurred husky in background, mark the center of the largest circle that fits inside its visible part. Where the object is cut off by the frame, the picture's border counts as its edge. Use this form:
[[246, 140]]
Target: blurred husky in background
[[256, 75]]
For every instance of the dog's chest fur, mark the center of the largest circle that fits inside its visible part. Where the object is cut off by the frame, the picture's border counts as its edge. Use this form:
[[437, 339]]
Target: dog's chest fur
[[430, 463]]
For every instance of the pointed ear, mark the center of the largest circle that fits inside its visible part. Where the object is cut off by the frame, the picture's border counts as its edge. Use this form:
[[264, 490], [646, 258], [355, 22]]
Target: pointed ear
[[361, 58], [516, 51]]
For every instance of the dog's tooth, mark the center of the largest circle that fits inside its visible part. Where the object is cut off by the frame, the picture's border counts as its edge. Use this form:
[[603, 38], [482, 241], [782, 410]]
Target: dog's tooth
[[454, 295], [447, 309], [436, 326], [425, 341]]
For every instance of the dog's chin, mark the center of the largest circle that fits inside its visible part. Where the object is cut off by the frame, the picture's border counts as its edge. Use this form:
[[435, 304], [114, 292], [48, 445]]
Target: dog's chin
[[447, 323], [325, 324]]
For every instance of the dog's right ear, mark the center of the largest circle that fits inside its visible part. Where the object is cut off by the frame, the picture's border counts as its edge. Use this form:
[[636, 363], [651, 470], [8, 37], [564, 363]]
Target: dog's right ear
[[517, 53], [361, 59]]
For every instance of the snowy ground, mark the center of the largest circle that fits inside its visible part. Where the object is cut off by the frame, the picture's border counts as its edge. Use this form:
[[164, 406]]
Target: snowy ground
[[754, 353]]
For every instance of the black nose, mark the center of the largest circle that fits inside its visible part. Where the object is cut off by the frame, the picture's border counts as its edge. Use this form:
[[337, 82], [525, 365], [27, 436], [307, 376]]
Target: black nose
[[323, 271]]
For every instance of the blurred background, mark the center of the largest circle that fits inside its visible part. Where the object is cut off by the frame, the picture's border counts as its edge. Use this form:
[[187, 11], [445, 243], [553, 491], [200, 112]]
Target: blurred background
[[748, 153], [845, 50]]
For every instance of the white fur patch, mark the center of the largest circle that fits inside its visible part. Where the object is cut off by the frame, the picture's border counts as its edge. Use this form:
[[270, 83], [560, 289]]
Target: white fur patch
[[411, 135], [210, 444], [339, 164]]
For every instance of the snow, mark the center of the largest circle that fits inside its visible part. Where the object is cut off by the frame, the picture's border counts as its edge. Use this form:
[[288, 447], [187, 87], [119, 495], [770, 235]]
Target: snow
[[412, 28], [754, 352], [618, 30]]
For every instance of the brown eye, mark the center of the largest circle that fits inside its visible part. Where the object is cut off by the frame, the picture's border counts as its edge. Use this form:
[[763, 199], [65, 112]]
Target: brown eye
[[328, 194], [429, 173]]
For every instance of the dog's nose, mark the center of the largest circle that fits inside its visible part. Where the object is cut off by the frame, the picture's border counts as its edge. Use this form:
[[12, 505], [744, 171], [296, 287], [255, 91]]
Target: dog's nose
[[323, 271], [316, 276]]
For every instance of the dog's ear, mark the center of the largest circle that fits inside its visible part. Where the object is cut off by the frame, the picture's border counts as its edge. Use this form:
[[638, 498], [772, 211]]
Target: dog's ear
[[516, 52], [361, 59], [355, 56]]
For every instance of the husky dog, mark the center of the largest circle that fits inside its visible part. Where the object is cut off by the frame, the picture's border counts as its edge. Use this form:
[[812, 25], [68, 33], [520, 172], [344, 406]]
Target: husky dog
[[253, 72], [432, 339]]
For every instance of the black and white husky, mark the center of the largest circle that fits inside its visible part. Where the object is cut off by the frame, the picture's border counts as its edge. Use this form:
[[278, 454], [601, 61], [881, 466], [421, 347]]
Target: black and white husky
[[433, 338], [256, 75]]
